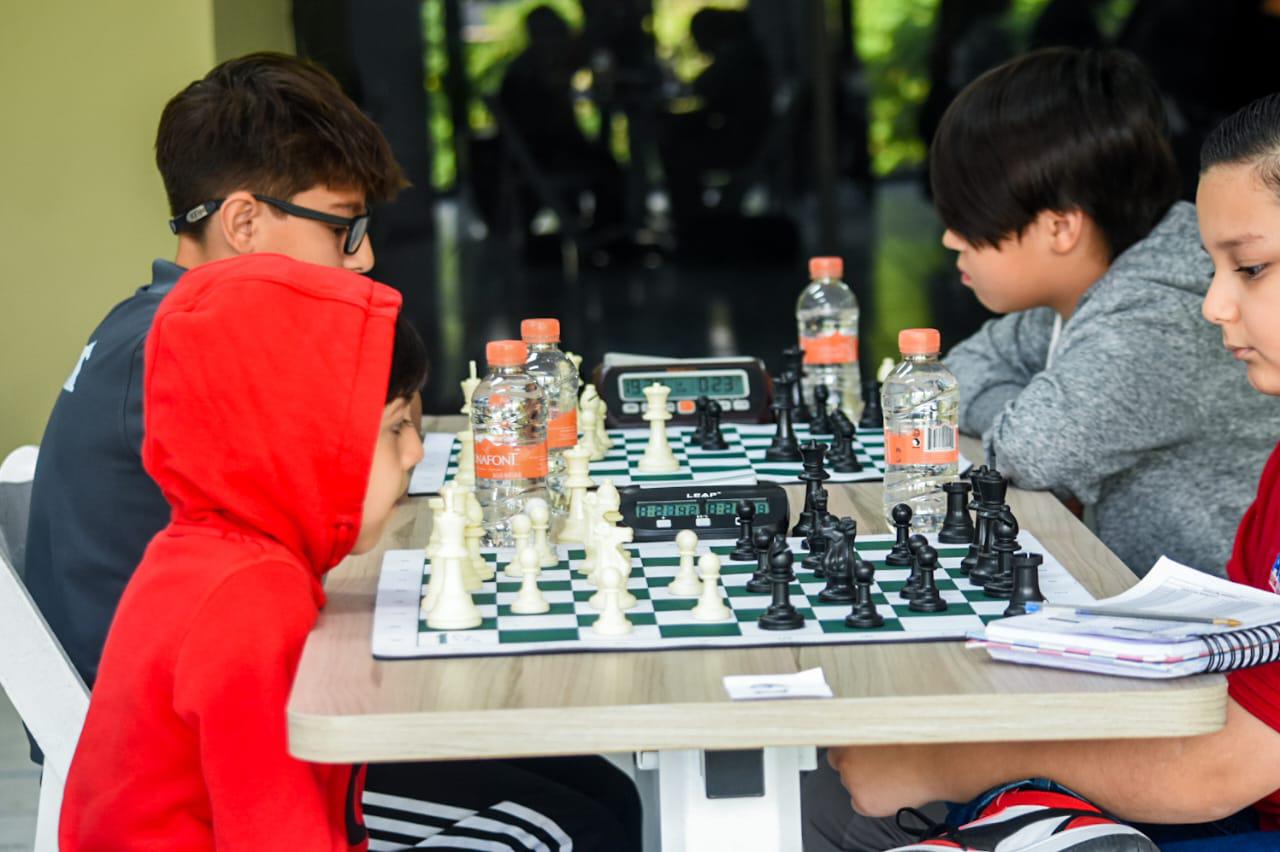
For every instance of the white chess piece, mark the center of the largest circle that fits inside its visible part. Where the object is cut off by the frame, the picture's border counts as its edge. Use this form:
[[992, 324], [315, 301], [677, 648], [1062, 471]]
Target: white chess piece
[[606, 501], [602, 430], [465, 476], [588, 414], [577, 461], [686, 583], [521, 530], [615, 557], [436, 505], [452, 608], [588, 533], [657, 457], [529, 600], [540, 516], [469, 385], [612, 621], [711, 607], [480, 568]]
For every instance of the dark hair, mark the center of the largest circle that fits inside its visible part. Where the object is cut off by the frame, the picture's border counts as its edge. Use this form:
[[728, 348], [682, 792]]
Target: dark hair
[[1058, 129], [408, 362], [1249, 136], [271, 124]]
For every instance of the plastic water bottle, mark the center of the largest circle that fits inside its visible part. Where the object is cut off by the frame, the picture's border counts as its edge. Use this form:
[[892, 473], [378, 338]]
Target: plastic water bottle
[[921, 401], [827, 319], [558, 379], [509, 420]]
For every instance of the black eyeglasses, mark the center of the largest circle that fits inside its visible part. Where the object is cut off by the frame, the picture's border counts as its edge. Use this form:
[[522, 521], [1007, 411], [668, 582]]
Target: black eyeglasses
[[357, 226]]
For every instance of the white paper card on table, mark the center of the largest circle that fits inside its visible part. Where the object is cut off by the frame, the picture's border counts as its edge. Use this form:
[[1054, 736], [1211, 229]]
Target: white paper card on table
[[428, 476], [810, 683]]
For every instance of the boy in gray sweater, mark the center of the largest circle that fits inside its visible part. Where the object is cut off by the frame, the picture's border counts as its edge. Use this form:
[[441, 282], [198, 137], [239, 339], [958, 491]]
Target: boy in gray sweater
[[1102, 383]]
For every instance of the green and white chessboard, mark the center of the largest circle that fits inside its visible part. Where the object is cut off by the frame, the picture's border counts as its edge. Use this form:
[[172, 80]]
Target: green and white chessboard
[[868, 446], [664, 622]]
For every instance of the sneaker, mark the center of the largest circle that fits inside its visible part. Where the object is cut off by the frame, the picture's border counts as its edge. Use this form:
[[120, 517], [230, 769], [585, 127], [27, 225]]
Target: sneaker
[[1027, 820]]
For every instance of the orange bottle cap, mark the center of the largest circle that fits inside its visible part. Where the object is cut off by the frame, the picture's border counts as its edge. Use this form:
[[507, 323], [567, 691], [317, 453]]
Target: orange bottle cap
[[919, 341], [543, 330], [826, 267], [506, 353]]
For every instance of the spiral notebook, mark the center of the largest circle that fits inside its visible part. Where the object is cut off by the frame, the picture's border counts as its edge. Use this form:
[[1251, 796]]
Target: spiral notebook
[[1059, 637]]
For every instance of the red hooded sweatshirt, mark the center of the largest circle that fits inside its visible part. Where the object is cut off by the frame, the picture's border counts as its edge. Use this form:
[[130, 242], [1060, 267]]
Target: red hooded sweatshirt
[[264, 387]]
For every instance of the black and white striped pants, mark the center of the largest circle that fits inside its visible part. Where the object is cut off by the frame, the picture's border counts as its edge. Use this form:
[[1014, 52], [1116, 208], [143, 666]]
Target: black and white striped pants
[[568, 804]]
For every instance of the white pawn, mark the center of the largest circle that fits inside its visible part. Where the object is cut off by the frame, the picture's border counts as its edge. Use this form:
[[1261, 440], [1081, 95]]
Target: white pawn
[[540, 515], [520, 531], [612, 621], [588, 423], [577, 461], [529, 600], [711, 607], [686, 583], [481, 570], [657, 457]]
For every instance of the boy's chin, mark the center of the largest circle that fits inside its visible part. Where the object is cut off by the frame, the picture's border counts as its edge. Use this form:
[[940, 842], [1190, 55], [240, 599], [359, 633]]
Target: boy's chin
[[1264, 378]]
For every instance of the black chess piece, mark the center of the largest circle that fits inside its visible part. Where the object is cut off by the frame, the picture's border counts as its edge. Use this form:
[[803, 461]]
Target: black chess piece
[[759, 582], [744, 548], [839, 563], [970, 560], [700, 430], [820, 420], [957, 526], [872, 414], [813, 475], [1004, 543], [816, 543], [1026, 583], [712, 437], [784, 446], [864, 613], [781, 614], [793, 363], [991, 488], [900, 554], [928, 598], [845, 432], [911, 588]]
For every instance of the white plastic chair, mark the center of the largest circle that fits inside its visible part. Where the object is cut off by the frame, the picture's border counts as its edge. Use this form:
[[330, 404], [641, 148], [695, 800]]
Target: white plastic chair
[[44, 687]]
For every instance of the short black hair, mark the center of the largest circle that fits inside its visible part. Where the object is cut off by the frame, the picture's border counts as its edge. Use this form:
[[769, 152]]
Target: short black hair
[[408, 362], [1057, 129], [1249, 136], [272, 124]]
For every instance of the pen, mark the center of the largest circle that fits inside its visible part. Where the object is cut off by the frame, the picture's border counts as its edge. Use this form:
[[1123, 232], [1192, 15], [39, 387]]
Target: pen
[[1145, 614]]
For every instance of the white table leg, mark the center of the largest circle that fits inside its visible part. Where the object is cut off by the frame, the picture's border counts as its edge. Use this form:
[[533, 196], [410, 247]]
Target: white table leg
[[766, 818]]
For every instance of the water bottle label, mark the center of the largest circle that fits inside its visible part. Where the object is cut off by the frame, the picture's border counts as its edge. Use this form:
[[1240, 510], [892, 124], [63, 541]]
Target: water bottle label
[[562, 431], [830, 349], [496, 461], [938, 444]]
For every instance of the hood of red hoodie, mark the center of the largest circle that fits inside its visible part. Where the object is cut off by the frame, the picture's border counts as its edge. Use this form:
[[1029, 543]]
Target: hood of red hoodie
[[265, 381]]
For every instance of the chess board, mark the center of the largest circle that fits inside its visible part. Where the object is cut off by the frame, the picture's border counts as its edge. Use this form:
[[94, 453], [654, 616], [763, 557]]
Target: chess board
[[665, 622], [868, 446]]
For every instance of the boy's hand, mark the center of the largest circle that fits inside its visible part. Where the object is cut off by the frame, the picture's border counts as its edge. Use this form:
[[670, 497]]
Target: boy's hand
[[882, 779]]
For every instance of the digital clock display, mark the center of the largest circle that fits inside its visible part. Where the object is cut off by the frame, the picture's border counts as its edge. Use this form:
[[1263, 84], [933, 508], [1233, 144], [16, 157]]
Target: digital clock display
[[694, 508], [715, 384]]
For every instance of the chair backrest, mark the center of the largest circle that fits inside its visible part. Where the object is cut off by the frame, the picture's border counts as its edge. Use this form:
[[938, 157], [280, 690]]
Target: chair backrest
[[16, 473], [44, 687]]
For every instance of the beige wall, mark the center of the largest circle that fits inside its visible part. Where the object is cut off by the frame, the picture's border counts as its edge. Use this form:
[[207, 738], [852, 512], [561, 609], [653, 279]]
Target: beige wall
[[82, 210]]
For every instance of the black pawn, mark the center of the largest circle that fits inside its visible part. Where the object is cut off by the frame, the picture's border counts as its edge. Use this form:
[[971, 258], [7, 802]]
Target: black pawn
[[1026, 583], [901, 552], [957, 526], [911, 588], [845, 431], [840, 559], [1004, 544], [744, 549], [820, 421], [712, 437], [781, 615], [872, 415], [864, 613], [816, 543], [784, 446], [927, 599], [759, 582], [793, 362], [700, 431]]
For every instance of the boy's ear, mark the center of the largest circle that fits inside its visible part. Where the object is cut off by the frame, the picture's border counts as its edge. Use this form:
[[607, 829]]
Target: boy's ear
[[237, 219], [1064, 229]]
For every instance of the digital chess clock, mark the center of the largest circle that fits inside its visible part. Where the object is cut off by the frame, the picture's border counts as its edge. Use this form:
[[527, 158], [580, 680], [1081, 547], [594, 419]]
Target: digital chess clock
[[740, 385], [657, 514]]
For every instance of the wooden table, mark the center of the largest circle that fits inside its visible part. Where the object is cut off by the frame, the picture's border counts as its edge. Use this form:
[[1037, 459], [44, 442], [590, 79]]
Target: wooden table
[[348, 707]]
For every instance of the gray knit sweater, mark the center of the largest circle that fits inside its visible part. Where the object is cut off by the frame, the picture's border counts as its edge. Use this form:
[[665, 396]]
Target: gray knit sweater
[[1141, 414]]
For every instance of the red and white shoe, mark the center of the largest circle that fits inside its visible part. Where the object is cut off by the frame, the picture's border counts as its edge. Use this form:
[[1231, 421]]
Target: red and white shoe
[[1026, 820]]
